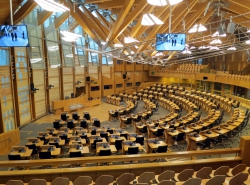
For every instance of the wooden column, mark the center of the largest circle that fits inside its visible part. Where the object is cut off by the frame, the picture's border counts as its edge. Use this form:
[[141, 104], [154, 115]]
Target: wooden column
[[245, 150]]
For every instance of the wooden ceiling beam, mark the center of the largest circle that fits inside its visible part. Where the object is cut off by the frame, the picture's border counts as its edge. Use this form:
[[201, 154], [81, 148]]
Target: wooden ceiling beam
[[242, 3], [59, 20], [239, 10], [43, 16], [77, 15], [95, 1], [121, 16], [136, 11], [24, 11]]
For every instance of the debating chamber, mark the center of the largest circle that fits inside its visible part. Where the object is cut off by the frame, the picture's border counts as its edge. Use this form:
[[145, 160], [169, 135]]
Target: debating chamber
[[125, 92]]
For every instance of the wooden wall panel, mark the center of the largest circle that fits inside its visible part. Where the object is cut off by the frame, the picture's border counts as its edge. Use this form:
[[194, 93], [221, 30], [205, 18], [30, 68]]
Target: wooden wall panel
[[23, 85], [68, 87], [7, 101], [8, 139], [54, 92], [40, 95]]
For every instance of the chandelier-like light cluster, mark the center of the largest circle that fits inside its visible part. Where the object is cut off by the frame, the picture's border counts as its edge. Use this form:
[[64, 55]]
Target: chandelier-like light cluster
[[130, 40], [197, 28], [70, 37], [248, 42], [52, 6], [150, 19], [163, 2], [216, 34], [232, 48], [214, 48], [216, 41]]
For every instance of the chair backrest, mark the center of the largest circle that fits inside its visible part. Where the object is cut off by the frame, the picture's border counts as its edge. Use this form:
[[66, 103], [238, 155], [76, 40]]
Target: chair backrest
[[218, 179], [14, 157], [32, 146], [167, 182], [139, 140], [83, 180], [44, 155], [38, 182], [133, 150], [204, 173], [162, 149], [238, 179], [104, 180], [75, 154], [125, 179], [238, 169], [118, 144], [87, 116], [166, 175], [60, 181], [14, 182], [146, 177], [105, 152], [193, 181], [221, 170], [185, 174]]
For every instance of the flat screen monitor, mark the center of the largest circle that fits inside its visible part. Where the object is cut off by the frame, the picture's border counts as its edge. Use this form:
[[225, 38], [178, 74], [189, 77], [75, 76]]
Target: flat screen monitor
[[14, 36], [170, 42]]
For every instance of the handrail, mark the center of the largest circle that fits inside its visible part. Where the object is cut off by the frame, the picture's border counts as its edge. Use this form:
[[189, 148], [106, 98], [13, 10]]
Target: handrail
[[118, 158]]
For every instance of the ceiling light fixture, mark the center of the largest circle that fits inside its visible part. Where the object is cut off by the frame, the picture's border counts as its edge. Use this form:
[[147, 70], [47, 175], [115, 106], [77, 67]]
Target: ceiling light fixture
[[248, 42], [103, 43], [197, 28], [130, 40], [216, 41], [159, 54], [214, 48], [231, 48], [150, 19], [248, 31], [157, 2], [192, 47], [187, 52], [118, 45], [203, 47], [216, 34], [52, 6]]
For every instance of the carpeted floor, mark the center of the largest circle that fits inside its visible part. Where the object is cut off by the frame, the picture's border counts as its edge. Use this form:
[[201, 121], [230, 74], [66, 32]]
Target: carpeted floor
[[31, 130]]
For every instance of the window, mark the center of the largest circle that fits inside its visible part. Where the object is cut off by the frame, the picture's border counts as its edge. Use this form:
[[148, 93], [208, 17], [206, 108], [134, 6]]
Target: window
[[137, 84], [128, 84], [119, 62], [5, 57], [118, 85]]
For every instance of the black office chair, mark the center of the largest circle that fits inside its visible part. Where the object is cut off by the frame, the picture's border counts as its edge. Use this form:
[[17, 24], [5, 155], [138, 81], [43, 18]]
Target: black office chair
[[70, 124], [144, 129], [14, 157], [139, 118], [86, 116], [218, 140], [64, 137], [97, 123], [161, 149], [93, 132], [75, 154], [45, 155], [118, 144], [140, 140], [115, 115], [64, 117], [159, 132], [56, 125], [205, 144], [179, 137], [104, 135], [111, 131], [128, 121], [133, 150], [124, 135], [106, 152], [84, 124], [33, 148], [75, 116], [94, 144]]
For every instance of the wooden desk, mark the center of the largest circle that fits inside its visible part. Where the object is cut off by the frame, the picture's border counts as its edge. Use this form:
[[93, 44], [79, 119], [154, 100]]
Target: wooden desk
[[170, 134], [221, 131], [192, 145], [212, 135], [84, 150], [113, 139], [55, 152], [81, 141], [102, 147], [24, 154], [126, 146], [154, 146], [133, 138], [38, 143], [61, 142], [91, 140]]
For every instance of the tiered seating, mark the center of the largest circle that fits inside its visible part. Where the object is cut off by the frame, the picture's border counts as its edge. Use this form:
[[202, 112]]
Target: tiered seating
[[205, 176]]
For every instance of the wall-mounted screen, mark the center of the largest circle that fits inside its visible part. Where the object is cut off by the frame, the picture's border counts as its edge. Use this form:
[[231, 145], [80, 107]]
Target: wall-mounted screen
[[170, 42], [14, 36]]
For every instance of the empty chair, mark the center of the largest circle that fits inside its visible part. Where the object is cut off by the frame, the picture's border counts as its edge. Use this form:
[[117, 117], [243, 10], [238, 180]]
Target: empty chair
[[203, 173], [56, 125], [75, 116], [33, 148], [167, 182], [237, 169], [133, 150], [218, 179], [125, 179], [97, 123], [104, 135], [38, 182], [64, 116], [104, 180], [14, 182], [237, 179], [75, 154], [184, 175], [70, 124], [83, 180], [61, 181], [128, 121], [159, 132], [14, 157], [161, 149], [84, 124], [118, 144], [146, 177], [45, 155], [191, 181], [223, 170], [166, 175], [140, 140], [105, 152]]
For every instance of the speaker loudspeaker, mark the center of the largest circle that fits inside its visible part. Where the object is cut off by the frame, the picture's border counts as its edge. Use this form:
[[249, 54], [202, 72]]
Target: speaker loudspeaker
[[124, 76], [88, 78], [231, 27], [220, 30], [32, 86]]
